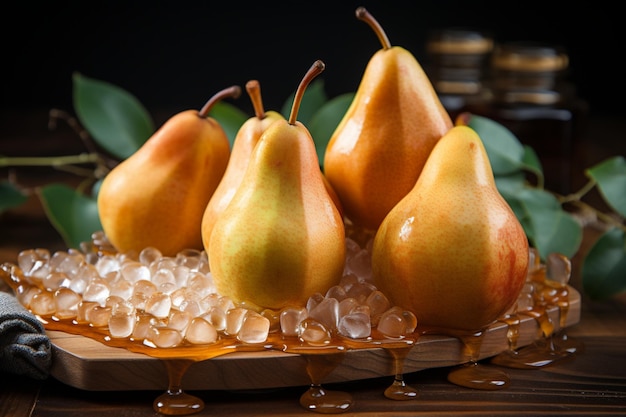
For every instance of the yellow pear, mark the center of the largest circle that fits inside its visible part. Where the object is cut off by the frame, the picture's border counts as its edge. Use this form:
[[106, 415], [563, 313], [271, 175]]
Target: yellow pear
[[247, 137], [281, 238], [157, 196], [452, 250], [377, 151]]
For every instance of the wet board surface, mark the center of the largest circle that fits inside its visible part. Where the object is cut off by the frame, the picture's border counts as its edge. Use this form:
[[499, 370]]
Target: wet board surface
[[88, 364]]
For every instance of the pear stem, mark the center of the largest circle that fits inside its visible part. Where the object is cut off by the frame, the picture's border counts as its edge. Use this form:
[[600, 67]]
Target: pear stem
[[316, 69], [233, 91], [364, 15], [254, 91]]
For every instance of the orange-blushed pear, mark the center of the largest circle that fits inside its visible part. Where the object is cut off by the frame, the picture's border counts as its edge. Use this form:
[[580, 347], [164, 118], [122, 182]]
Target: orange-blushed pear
[[452, 250], [377, 151], [157, 196]]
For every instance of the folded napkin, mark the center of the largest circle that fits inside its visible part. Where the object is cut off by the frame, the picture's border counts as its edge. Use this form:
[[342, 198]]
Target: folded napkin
[[25, 348]]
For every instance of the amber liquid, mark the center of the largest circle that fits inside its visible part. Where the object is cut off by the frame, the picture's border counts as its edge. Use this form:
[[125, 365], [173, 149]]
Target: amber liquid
[[321, 360]]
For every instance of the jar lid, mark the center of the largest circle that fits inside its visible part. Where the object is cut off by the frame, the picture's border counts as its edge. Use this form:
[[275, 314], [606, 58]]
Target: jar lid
[[531, 57], [459, 41]]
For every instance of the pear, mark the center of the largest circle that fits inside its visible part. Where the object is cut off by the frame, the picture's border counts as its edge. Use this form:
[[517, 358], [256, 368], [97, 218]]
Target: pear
[[157, 196], [452, 250], [281, 237], [378, 149], [246, 139]]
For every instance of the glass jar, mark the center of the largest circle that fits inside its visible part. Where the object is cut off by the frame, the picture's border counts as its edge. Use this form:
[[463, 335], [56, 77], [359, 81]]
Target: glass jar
[[456, 65], [531, 96]]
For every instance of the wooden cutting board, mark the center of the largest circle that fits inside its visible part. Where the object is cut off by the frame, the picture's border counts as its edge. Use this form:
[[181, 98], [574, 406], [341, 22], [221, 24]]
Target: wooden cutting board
[[88, 364]]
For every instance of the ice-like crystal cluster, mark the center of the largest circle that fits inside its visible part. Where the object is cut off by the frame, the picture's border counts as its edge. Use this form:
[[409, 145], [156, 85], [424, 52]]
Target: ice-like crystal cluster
[[172, 301]]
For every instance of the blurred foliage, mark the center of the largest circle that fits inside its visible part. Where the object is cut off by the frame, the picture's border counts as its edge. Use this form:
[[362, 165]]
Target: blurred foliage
[[118, 125]]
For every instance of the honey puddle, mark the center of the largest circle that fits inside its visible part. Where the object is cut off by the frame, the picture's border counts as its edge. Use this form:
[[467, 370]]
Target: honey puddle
[[321, 360]]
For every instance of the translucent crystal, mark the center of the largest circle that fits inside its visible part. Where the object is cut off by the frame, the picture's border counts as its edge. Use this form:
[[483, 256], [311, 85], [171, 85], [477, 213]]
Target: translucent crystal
[[143, 322], [55, 280], [133, 271], [68, 263], [158, 304], [217, 317], [67, 302], [254, 328], [200, 332], [144, 287], [327, 313], [378, 304], [181, 275], [97, 291], [314, 333], [122, 320], [337, 292], [99, 316], [192, 307], [34, 262], [84, 310], [290, 319], [355, 325], [558, 268], [122, 288], [149, 255], [190, 258], [200, 284], [25, 294], [43, 304], [179, 320], [234, 319], [107, 264], [360, 264], [164, 337], [392, 323], [360, 291], [347, 305]]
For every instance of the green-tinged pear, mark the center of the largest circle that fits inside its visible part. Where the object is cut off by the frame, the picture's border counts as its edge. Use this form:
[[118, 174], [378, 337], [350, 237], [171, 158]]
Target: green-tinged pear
[[281, 238], [246, 139]]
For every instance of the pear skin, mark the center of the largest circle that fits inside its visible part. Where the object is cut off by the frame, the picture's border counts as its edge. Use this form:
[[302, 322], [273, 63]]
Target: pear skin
[[281, 238], [157, 196], [377, 151], [247, 137], [452, 250]]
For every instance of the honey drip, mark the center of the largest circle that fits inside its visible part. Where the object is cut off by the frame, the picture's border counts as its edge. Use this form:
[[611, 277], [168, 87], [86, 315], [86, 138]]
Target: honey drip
[[399, 390], [474, 374], [174, 401], [317, 398]]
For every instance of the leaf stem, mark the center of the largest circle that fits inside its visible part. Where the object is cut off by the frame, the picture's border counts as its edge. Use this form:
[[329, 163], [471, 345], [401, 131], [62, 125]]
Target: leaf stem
[[579, 194], [53, 161]]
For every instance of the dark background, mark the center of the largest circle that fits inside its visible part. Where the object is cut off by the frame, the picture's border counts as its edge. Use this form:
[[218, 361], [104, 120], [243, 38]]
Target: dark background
[[175, 55]]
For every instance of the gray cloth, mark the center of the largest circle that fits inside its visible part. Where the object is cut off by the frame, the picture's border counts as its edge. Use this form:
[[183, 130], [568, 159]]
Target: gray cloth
[[25, 349]]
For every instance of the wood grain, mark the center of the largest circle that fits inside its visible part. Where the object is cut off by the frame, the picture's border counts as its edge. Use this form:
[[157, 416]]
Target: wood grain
[[90, 365]]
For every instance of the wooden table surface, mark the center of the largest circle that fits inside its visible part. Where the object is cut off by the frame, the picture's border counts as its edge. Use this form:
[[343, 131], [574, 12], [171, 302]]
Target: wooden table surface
[[592, 382]]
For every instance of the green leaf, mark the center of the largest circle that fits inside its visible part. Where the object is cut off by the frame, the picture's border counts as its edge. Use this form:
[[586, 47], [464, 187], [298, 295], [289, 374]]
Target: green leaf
[[604, 267], [115, 119], [505, 152], [314, 97], [549, 228], [10, 196], [325, 120], [72, 214], [610, 176], [230, 118], [533, 164]]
